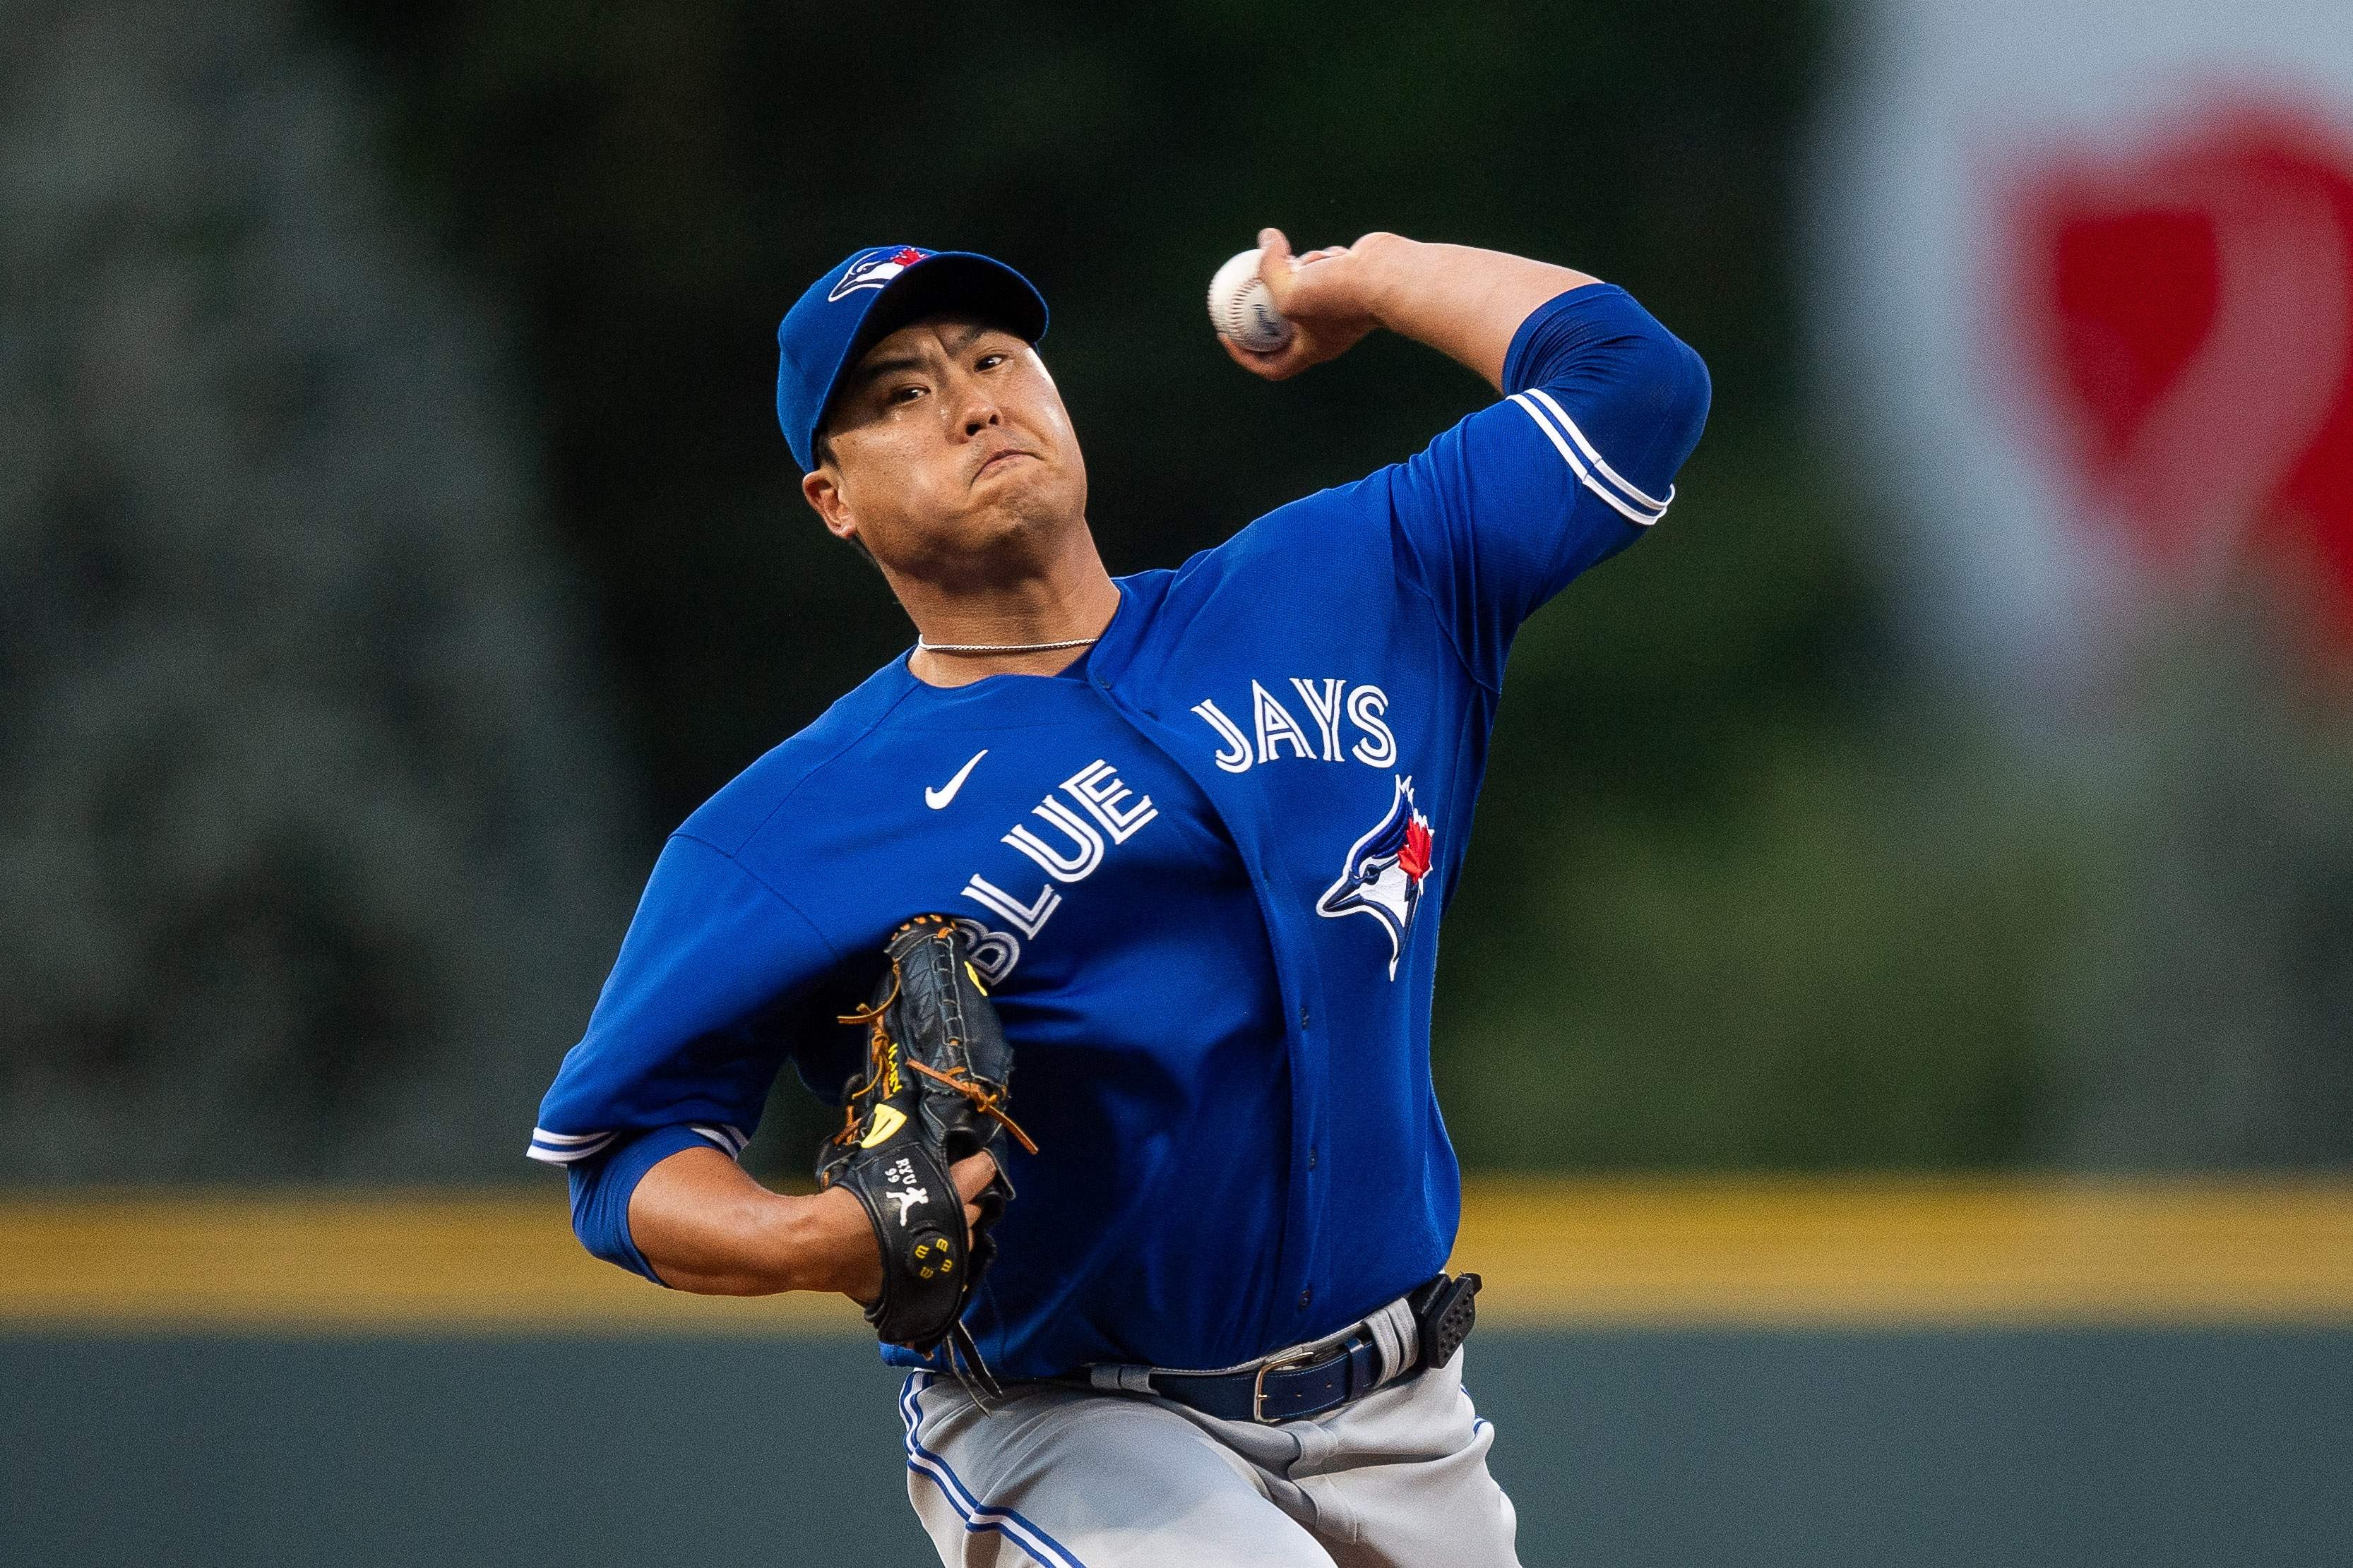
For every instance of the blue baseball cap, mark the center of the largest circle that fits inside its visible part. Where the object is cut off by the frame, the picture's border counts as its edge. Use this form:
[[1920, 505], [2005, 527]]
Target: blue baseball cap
[[869, 297]]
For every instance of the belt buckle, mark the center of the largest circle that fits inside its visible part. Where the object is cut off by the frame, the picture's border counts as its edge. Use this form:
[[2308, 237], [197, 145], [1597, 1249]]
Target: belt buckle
[[1258, 1382]]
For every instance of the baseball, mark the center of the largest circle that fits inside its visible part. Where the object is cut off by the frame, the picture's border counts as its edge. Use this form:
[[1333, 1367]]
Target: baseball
[[1242, 308]]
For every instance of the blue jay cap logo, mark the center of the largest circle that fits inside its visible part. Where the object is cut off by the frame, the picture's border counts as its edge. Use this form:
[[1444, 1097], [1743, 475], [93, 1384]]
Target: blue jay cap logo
[[874, 270], [865, 298]]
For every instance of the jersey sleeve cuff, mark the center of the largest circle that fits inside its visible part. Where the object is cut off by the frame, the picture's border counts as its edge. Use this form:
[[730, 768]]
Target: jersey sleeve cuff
[[1587, 462], [1597, 338], [570, 1148]]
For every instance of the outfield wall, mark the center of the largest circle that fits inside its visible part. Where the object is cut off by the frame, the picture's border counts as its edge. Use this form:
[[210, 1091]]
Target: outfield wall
[[1816, 1374]]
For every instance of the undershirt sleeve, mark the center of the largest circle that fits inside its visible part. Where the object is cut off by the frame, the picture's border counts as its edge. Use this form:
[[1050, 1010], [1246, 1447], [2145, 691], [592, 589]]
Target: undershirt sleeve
[[602, 1187]]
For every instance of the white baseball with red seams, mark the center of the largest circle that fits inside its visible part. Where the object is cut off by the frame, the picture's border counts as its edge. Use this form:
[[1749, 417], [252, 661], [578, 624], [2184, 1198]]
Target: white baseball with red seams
[[1242, 309]]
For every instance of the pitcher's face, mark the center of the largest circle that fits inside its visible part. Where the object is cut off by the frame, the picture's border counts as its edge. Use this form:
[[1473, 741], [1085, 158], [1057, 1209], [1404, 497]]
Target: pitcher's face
[[948, 447]]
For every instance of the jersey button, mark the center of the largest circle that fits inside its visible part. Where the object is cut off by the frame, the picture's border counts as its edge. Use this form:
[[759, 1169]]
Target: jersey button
[[1311, 1156], [1303, 1015], [1306, 1295]]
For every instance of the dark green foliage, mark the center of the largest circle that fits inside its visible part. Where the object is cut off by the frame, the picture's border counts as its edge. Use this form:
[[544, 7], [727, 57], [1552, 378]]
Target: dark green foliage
[[307, 855]]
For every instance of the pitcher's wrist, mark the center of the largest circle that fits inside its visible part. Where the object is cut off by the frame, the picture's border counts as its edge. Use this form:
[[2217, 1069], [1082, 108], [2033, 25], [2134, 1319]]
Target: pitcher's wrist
[[1389, 275], [827, 1243]]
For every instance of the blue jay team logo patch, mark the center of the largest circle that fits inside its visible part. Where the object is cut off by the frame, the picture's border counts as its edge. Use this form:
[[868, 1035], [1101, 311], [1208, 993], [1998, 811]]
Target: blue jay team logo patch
[[1383, 875], [875, 270]]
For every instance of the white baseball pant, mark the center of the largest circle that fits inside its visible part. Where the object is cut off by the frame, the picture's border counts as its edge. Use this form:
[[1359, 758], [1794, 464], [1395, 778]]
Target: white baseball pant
[[1074, 1477]]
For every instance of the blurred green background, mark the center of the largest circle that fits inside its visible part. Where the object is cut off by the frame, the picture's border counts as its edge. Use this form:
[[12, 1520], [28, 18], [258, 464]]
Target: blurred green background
[[398, 541]]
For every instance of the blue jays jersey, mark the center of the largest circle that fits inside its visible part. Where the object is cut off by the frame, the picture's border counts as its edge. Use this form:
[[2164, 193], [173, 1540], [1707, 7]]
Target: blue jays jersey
[[1203, 870]]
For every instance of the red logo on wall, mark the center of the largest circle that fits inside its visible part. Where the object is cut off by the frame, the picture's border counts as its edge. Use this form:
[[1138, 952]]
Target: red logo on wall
[[2191, 315]]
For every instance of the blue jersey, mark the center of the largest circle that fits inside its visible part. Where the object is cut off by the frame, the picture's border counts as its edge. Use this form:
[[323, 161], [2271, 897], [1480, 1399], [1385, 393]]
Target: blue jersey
[[1205, 868]]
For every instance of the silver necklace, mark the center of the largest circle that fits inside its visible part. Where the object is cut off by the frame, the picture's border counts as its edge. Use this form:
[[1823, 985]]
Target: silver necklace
[[922, 647]]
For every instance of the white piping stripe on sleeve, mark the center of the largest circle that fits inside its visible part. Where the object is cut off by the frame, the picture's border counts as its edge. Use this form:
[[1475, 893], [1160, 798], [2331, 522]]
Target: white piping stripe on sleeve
[[564, 1148], [727, 1136], [1585, 476], [1586, 446]]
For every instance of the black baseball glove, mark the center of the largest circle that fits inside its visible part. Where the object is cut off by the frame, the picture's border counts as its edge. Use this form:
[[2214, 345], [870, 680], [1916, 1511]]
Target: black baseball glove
[[933, 1092]]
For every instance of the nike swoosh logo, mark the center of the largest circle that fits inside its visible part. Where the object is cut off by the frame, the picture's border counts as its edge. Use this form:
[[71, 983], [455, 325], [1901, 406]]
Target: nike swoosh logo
[[936, 798]]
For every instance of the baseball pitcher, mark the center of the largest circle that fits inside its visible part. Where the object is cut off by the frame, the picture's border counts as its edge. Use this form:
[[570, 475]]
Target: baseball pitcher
[[1109, 912]]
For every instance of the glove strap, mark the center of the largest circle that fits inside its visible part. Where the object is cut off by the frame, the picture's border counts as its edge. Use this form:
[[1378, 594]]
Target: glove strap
[[918, 1220]]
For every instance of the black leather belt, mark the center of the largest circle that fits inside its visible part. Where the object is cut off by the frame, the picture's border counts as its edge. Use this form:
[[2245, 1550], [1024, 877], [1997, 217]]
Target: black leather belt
[[1302, 1387], [1277, 1391]]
